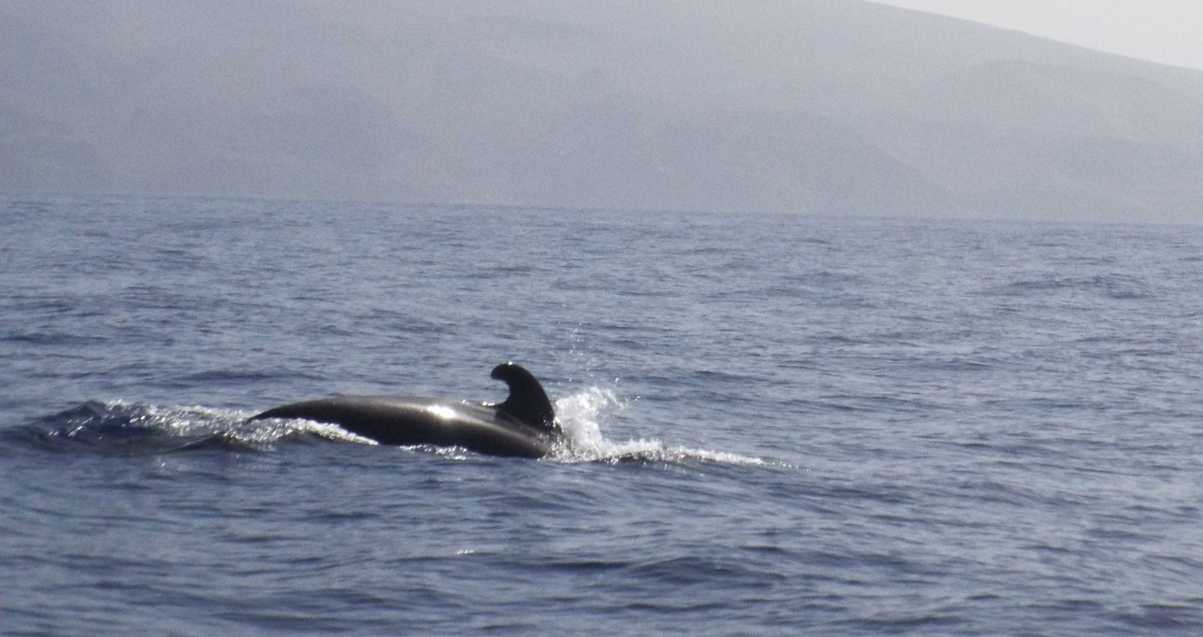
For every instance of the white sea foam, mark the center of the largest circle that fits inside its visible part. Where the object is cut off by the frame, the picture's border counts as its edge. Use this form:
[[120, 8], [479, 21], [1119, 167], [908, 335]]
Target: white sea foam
[[231, 424], [581, 416]]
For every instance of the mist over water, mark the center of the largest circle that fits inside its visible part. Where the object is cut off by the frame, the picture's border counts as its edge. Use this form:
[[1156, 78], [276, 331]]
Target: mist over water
[[775, 425]]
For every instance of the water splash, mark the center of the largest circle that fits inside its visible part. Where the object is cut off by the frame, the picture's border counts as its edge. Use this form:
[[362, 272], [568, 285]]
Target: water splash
[[580, 414], [580, 417]]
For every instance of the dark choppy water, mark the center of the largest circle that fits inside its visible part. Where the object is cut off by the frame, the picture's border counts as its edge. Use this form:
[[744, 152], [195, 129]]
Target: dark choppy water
[[779, 424]]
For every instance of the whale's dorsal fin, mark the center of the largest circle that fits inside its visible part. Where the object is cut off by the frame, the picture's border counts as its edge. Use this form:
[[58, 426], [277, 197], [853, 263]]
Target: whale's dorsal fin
[[527, 401]]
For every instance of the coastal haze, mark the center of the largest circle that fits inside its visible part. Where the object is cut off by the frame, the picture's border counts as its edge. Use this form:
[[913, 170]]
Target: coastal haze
[[811, 106]]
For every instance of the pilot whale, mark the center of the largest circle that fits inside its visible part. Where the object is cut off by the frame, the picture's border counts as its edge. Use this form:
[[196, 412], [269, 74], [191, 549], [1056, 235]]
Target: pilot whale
[[524, 424]]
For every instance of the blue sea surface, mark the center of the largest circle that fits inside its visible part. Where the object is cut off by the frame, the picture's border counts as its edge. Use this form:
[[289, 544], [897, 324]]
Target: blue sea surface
[[777, 424]]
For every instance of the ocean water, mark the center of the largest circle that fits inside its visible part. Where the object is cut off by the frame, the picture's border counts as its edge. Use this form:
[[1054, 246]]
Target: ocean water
[[777, 424]]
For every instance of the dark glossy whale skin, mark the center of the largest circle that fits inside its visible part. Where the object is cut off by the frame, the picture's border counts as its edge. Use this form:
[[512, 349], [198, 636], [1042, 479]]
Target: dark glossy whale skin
[[524, 425], [422, 421]]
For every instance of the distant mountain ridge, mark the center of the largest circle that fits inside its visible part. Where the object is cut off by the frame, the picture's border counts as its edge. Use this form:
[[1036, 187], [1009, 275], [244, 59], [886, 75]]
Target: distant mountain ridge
[[832, 107]]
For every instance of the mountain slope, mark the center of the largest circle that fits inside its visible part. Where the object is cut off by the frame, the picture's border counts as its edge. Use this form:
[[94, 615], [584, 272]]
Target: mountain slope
[[820, 106]]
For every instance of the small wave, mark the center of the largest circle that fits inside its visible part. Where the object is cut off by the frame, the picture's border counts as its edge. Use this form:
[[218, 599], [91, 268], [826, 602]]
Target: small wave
[[653, 452], [1114, 286], [825, 279], [53, 338], [213, 376], [25, 208]]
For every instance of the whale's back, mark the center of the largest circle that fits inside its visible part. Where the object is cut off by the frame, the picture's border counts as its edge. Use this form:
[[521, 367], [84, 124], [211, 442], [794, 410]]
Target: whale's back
[[420, 421]]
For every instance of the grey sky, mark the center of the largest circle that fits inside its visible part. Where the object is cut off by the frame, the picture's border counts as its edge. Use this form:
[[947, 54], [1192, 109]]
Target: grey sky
[[1166, 31]]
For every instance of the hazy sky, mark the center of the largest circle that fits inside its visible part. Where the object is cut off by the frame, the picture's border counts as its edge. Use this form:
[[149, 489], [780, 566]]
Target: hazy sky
[[1167, 31]]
